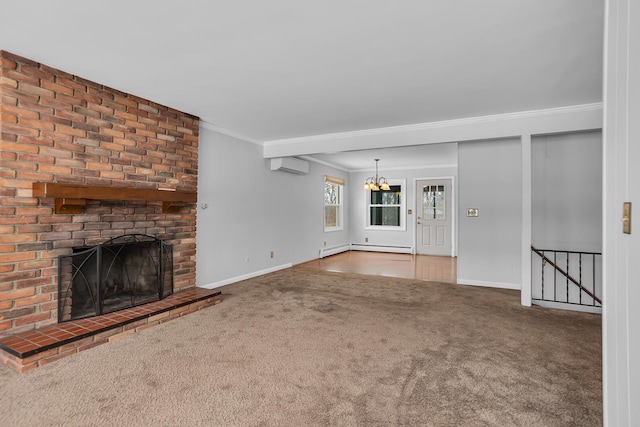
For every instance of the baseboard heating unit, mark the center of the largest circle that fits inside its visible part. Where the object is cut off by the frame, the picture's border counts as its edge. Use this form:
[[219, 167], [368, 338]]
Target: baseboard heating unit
[[324, 252], [382, 248]]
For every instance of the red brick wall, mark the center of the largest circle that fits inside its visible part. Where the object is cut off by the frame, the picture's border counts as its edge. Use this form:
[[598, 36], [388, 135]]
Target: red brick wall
[[57, 127]]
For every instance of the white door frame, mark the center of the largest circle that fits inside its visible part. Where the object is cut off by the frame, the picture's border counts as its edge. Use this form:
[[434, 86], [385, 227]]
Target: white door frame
[[621, 133], [454, 211]]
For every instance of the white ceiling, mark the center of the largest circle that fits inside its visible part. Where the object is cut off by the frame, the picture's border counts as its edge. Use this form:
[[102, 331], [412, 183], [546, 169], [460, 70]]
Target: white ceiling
[[279, 69]]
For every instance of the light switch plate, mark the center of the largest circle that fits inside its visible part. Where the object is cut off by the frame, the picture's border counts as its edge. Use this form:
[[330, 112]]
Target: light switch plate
[[474, 212], [626, 217]]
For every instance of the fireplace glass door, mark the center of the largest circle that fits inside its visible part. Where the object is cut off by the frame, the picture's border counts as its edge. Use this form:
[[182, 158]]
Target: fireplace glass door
[[124, 272]]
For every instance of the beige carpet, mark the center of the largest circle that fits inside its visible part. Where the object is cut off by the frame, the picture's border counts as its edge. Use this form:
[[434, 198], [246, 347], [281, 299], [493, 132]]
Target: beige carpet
[[303, 348]]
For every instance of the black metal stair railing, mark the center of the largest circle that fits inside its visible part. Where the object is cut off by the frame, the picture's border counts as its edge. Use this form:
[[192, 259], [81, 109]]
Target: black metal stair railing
[[584, 290]]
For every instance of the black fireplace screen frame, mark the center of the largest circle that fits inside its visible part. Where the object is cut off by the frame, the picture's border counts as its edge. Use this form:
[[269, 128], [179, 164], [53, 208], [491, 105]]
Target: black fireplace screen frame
[[102, 273]]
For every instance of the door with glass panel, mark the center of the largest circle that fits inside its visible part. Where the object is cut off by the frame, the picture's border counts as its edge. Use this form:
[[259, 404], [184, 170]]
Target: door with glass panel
[[433, 217]]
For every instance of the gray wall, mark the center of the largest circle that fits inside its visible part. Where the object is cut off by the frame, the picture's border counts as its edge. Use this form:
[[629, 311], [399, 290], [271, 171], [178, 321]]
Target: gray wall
[[253, 210], [490, 179], [566, 193]]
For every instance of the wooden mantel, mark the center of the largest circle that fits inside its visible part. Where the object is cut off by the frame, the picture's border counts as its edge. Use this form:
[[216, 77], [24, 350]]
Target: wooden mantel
[[71, 198]]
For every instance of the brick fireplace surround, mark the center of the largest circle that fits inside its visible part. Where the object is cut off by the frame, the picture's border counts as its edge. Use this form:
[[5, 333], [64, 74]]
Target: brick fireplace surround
[[58, 127]]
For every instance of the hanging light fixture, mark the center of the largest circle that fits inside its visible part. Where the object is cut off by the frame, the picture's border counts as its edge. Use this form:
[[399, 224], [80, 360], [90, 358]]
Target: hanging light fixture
[[375, 183]]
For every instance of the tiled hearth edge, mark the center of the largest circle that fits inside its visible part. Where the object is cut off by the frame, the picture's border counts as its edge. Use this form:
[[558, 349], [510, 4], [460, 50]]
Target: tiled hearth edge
[[28, 350]]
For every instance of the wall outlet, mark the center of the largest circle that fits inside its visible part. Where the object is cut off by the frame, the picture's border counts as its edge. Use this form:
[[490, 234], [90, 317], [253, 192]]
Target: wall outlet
[[324, 244], [272, 254], [366, 239]]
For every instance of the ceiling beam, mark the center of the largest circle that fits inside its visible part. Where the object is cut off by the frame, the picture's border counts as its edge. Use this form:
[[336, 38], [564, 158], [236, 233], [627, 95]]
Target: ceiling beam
[[538, 122]]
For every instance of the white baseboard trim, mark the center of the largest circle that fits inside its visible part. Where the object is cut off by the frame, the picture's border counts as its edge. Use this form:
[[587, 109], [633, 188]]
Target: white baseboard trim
[[564, 306], [380, 248], [334, 250], [489, 284], [245, 276]]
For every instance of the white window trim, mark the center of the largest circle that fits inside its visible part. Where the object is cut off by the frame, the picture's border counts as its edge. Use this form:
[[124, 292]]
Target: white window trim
[[341, 187], [403, 209]]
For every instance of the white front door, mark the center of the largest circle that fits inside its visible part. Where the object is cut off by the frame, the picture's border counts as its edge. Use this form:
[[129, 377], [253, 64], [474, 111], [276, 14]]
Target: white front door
[[433, 217]]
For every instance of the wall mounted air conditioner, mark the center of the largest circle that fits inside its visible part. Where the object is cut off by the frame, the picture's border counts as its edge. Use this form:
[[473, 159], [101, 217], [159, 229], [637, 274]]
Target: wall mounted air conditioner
[[290, 164]]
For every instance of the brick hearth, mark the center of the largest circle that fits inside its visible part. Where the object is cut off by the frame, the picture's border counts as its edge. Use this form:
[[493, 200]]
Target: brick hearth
[[31, 349]]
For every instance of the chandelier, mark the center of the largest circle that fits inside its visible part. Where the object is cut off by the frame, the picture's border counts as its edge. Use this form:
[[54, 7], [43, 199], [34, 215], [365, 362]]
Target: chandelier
[[375, 183]]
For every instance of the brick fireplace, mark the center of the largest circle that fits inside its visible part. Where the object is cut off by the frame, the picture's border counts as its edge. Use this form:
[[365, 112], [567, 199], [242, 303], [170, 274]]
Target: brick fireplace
[[60, 128]]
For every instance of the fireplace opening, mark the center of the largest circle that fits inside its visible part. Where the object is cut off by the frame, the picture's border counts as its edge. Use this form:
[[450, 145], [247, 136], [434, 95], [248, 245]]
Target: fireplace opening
[[123, 272]]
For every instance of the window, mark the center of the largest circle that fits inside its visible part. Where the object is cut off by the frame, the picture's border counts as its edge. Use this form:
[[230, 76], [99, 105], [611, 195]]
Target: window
[[385, 208], [433, 202], [333, 195]]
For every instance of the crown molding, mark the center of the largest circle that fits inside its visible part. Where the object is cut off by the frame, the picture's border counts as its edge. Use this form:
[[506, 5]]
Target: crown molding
[[215, 128], [398, 168], [405, 168]]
